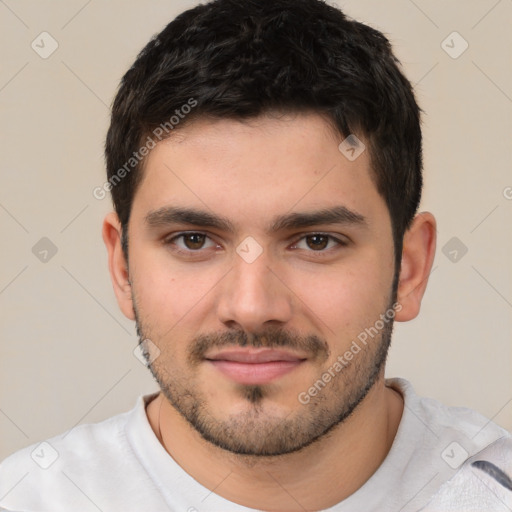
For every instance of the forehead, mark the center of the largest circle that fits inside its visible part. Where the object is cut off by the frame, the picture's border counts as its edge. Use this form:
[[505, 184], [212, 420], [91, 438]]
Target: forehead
[[251, 170]]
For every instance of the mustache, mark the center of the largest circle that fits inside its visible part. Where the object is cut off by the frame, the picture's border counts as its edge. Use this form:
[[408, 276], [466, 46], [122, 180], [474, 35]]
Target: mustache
[[313, 345]]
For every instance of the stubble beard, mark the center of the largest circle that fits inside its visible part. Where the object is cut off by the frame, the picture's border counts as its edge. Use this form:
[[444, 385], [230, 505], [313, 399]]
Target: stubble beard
[[255, 432]]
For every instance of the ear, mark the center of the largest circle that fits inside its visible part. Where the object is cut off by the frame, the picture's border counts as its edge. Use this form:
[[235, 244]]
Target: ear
[[117, 264], [418, 252]]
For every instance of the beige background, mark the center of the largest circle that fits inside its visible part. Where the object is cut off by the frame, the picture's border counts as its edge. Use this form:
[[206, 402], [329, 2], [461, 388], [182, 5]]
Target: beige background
[[67, 351]]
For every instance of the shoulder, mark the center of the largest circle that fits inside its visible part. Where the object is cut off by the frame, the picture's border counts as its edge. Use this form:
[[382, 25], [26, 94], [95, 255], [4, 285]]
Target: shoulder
[[483, 482], [469, 455], [79, 443], [68, 468], [448, 421]]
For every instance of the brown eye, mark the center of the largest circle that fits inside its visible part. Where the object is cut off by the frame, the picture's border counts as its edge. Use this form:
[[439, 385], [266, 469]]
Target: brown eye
[[187, 244], [317, 242], [193, 241], [320, 244]]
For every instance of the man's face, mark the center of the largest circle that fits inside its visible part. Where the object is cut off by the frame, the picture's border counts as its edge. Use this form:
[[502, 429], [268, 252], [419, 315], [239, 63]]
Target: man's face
[[248, 315]]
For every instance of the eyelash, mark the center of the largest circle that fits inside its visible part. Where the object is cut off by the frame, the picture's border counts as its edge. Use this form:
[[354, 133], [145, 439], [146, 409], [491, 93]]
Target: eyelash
[[191, 252]]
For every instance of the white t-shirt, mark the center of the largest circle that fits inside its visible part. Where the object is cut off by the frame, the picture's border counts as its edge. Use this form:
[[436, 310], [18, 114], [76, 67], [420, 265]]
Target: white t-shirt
[[119, 465]]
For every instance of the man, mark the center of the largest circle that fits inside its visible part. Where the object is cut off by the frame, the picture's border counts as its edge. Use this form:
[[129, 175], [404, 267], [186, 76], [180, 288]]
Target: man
[[264, 159]]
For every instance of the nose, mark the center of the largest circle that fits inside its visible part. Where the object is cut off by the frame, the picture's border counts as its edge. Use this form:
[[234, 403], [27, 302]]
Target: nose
[[254, 296]]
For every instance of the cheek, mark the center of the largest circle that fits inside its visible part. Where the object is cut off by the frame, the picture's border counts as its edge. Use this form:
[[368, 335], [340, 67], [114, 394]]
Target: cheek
[[168, 294], [347, 298]]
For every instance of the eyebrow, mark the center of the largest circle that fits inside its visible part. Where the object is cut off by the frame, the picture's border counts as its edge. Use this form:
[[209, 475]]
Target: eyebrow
[[177, 215]]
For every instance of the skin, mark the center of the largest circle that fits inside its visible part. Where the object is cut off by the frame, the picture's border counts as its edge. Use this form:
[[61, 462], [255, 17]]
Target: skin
[[249, 173]]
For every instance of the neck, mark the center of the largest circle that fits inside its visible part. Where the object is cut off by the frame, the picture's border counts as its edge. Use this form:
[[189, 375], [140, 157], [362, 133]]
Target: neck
[[349, 455]]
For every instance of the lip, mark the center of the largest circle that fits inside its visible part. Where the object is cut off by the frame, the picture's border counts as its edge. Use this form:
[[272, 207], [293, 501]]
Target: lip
[[255, 366]]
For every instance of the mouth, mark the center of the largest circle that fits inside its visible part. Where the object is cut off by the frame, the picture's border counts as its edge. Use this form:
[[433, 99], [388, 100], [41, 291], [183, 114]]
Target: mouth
[[255, 366]]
